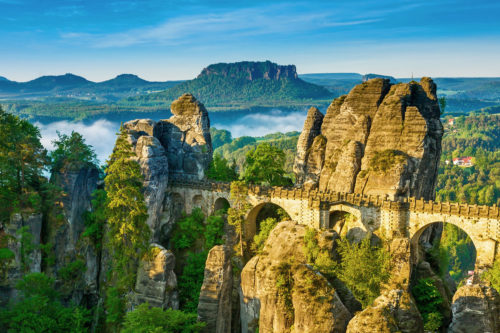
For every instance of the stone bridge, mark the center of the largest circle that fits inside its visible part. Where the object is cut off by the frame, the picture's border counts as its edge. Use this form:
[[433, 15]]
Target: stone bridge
[[377, 215]]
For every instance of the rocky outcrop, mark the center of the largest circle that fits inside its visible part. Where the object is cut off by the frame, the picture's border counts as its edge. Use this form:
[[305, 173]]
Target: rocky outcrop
[[64, 230], [179, 147], [312, 128], [278, 288], [156, 281], [475, 309], [379, 139], [393, 311], [215, 304], [20, 264]]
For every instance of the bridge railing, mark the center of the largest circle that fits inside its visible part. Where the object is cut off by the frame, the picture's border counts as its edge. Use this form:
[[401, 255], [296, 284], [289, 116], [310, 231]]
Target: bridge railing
[[315, 197]]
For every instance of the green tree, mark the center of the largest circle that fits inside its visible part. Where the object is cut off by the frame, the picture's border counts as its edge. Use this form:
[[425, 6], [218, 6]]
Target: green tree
[[96, 218], [126, 212], [71, 153], [220, 137], [265, 165], [220, 169], [155, 320], [363, 268], [493, 275], [442, 104], [259, 240], [39, 309], [237, 213], [429, 302], [22, 162]]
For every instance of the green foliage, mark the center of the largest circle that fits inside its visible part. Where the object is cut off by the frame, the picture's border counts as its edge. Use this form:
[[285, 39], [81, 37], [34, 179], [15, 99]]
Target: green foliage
[[237, 213], [493, 275], [478, 137], [265, 165], [442, 104], [39, 310], [72, 271], [71, 153], [220, 137], [191, 280], [383, 161], [457, 252], [363, 269], [319, 258], [155, 320], [128, 234], [22, 162], [220, 170], [429, 302], [26, 247], [188, 229], [214, 230], [115, 305], [259, 239], [94, 220], [6, 254], [311, 247]]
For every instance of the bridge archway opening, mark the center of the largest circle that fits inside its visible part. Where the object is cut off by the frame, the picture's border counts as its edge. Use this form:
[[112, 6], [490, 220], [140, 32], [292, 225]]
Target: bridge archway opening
[[221, 204], [447, 248], [346, 221], [197, 201], [261, 212]]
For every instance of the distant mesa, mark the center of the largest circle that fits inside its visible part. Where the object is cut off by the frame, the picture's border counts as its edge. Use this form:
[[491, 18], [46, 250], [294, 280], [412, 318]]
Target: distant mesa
[[367, 77], [251, 70]]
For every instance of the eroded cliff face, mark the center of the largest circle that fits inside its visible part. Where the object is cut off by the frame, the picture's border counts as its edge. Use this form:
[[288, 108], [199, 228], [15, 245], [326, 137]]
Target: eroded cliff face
[[175, 148], [279, 290], [379, 139]]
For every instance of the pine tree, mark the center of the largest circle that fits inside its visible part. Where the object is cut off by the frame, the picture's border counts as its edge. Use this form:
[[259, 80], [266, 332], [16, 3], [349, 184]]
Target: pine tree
[[237, 213], [128, 234]]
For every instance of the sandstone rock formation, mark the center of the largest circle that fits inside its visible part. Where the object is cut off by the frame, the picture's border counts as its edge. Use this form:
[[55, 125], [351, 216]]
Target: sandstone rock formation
[[302, 298], [312, 128], [156, 281], [393, 311], [379, 139], [179, 147], [214, 307], [475, 309], [65, 232]]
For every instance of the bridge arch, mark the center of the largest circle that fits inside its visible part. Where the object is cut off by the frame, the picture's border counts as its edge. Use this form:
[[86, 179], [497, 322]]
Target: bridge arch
[[348, 221], [221, 203], [256, 215], [418, 242]]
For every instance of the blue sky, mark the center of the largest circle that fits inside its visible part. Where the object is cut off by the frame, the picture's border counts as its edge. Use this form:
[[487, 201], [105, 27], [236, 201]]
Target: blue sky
[[168, 40]]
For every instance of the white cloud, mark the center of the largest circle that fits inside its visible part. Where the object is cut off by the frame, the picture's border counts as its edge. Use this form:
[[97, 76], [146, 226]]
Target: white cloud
[[100, 134]]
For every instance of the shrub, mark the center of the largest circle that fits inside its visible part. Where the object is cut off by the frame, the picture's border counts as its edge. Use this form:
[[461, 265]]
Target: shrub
[[383, 161], [259, 239], [191, 280], [188, 230], [493, 275], [429, 302], [155, 320]]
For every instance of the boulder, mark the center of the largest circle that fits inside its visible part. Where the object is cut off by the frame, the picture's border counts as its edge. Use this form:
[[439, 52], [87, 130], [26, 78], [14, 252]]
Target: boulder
[[475, 309], [156, 281], [215, 303], [393, 311], [279, 290]]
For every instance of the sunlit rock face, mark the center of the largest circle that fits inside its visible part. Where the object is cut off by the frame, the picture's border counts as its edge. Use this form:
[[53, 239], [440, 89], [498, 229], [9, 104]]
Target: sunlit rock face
[[308, 302], [475, 308], [175, 148], [381, 138]]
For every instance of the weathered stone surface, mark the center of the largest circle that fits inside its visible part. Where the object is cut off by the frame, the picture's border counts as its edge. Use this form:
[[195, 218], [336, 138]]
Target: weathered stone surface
[[15, 270], [186, 138], [377, 117], [214, 307], [65, 233], [156, 281], [316, 305], [312, 128], [476, 309], [393, 311]]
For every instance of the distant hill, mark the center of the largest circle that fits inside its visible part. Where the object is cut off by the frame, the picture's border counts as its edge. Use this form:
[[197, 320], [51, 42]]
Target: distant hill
[[367, 77], [73, 86], [242, 85]]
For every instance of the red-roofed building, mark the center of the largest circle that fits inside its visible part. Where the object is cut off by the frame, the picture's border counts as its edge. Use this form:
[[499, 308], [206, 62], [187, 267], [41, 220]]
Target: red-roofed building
[[463, 161]]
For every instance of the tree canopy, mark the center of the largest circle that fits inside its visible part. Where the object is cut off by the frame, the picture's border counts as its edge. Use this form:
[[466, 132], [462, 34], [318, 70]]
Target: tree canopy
[[71, 153], [265, 165]]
